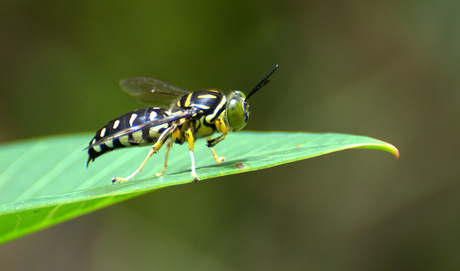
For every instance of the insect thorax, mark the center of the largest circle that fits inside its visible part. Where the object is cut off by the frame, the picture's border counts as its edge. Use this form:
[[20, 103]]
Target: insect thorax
[[210, 103]]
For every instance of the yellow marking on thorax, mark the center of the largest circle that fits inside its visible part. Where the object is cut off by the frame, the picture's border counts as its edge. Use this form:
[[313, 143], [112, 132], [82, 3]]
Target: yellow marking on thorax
[[187, 101], [219, 125], [204, 131], [207, 96], [176, 135], [202, 106]]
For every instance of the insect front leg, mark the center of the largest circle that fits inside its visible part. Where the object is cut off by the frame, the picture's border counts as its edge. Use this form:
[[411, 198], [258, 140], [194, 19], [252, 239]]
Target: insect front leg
[[190, 137], [154, 149], [213, 142]]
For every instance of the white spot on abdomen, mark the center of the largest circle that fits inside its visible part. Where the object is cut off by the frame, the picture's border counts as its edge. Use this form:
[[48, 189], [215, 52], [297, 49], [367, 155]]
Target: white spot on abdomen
[[102, 134], [115, 124], [132, 119], [153, 115]]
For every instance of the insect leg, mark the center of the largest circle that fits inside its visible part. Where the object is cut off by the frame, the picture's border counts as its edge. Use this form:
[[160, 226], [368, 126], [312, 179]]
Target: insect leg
[[154, 149], [168, 147], [191, 144], [219, 159], [213, 142]]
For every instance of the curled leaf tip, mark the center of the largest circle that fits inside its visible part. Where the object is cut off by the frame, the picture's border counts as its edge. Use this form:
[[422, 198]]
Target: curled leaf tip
[[394, 151]]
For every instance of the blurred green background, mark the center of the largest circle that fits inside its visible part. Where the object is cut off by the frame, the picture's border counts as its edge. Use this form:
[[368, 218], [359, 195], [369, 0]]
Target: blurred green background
[[386, 69]]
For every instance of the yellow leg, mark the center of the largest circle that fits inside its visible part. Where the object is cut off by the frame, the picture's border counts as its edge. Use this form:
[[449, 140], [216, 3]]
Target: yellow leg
[[154, 149], [213, 142], [220, 128], [168, 147], [122, 180], [191, 145], [219, 159]]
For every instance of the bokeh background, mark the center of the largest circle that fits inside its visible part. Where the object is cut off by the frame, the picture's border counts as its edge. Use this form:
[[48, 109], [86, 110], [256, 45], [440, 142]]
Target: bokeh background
[[386, 69]]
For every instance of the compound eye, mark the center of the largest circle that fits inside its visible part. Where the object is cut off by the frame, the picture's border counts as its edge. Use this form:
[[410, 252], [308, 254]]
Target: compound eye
[[236, 114]]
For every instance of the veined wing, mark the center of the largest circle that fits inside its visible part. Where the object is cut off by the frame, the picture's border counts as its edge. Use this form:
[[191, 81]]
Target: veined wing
[[150, 91], [148, 124]]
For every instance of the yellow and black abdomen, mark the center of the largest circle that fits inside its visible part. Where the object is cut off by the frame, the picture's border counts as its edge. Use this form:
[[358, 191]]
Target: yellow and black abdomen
[[209, 104], [112, 138]]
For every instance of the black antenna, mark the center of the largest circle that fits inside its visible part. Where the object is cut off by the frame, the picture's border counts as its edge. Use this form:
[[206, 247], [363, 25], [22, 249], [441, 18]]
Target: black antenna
[[261, 83]]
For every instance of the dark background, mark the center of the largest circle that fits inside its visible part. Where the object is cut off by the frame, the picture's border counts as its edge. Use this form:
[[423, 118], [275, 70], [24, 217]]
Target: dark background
[[386, 69]]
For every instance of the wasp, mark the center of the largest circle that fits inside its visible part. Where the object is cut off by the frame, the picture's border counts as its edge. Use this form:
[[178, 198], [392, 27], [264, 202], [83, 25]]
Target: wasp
[[179, 116]]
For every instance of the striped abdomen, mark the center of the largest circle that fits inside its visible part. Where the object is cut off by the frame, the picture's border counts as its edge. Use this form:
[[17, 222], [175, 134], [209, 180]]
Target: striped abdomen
[[146, 135]]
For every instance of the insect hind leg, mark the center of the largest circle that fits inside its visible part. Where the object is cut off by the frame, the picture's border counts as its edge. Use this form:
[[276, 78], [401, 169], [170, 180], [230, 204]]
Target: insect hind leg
[[154, 150], [131, 176], [168, 147]]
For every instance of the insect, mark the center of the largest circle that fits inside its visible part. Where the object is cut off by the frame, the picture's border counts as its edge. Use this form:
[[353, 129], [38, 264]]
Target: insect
[[183, 116]]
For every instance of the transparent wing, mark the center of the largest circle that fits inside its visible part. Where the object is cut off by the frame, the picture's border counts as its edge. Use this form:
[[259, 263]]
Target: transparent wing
[[182, 115], [151, 91]]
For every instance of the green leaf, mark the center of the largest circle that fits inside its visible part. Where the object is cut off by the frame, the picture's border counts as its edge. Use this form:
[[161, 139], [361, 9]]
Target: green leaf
[[45, 181]]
